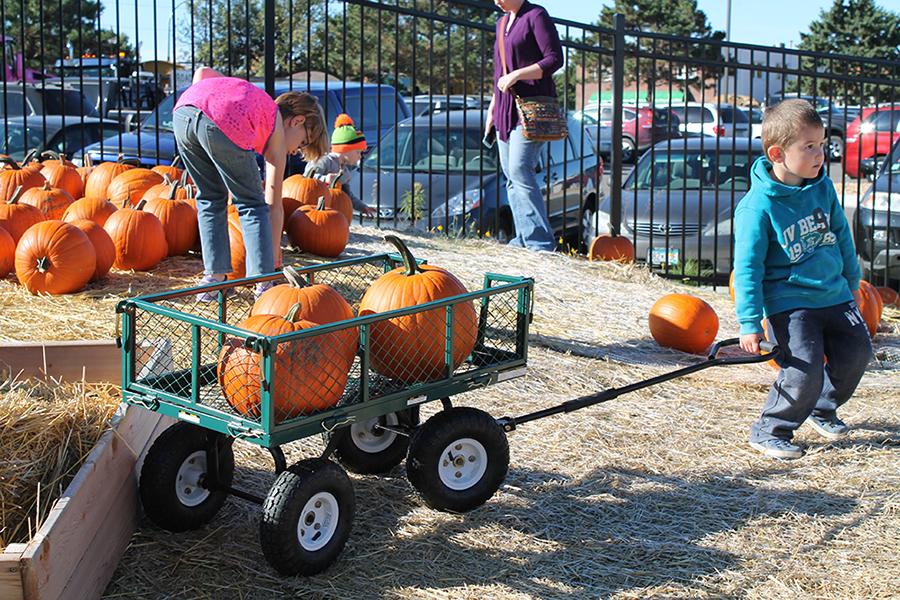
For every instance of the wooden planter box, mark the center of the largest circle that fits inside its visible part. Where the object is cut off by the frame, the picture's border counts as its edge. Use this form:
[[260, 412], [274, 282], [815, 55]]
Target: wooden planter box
[[75, 552]]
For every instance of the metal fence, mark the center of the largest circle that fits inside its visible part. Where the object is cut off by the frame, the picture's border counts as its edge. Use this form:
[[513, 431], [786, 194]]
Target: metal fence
[[431, 172]]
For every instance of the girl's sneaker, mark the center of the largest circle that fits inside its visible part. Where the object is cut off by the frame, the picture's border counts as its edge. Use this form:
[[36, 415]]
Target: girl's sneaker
[[211, 295], [777, 448]]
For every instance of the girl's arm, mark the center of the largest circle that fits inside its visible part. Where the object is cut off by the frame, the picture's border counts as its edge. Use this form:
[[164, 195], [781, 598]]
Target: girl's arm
[[276, 158]]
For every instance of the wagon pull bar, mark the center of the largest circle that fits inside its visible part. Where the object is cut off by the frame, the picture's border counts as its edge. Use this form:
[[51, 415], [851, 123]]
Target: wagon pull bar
[[769, 351]]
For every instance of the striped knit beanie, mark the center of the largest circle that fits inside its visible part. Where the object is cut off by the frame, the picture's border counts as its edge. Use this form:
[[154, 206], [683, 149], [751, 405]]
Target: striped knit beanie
[[346, 136]]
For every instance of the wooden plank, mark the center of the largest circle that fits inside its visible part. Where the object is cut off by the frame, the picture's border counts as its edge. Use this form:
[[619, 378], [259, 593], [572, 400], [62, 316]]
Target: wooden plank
[[10, 576], [91, 360], [80, 515]]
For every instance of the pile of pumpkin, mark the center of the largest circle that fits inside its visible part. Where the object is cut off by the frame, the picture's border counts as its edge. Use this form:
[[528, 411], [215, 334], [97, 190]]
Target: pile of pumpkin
[[311, 373], [62, 226]]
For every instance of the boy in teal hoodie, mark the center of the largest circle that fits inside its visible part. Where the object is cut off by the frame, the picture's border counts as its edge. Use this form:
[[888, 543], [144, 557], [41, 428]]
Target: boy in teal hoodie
[[795, 265]]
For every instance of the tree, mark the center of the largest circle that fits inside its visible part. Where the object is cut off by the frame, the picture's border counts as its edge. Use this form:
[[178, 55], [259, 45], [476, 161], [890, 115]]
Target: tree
[[854, 28], [44, 29], [671, 17]]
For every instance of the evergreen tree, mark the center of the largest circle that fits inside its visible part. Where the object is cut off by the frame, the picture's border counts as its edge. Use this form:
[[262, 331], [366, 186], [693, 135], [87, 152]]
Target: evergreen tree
[[854, 28], [44, 29]]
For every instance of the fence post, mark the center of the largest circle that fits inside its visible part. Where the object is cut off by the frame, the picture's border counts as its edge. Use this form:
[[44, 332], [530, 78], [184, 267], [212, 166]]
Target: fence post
[[269, 46], [618, 89]]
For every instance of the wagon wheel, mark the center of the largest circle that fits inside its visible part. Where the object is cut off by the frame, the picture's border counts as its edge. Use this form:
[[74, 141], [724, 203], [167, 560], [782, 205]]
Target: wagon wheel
[[458, 459], [174, 477], [307, 517], [367, 449]]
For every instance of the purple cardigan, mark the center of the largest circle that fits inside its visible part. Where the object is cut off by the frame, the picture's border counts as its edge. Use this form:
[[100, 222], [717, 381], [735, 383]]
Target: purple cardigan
[[532, 39]]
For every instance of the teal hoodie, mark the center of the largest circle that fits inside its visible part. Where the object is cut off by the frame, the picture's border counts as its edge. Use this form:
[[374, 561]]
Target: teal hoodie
[[792, 248]]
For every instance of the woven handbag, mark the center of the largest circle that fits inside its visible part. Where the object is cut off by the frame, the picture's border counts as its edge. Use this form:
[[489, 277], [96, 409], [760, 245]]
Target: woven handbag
[[543, 118]]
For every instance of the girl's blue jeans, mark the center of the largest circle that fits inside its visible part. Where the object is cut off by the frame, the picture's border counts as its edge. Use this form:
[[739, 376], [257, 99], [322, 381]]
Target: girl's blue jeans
[[804, 386], [519, 159], [219, 167]]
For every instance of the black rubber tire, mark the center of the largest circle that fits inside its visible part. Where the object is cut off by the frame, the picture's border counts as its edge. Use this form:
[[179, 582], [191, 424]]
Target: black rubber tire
[[362, 449], [171, 485], [629, 150], [307, 517], [465, 481]]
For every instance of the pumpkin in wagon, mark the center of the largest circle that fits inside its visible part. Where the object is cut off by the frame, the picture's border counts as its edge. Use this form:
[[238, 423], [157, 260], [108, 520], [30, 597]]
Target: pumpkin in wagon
[[54, 257], [310, 374], [412, 348], [683, 322]]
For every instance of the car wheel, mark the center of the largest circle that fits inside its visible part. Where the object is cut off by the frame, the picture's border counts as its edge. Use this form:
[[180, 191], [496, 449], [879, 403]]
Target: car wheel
[[588, 227], [629, 150], [835, 147]]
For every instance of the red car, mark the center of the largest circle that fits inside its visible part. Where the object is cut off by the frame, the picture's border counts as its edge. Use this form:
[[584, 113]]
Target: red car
[[871, 134]]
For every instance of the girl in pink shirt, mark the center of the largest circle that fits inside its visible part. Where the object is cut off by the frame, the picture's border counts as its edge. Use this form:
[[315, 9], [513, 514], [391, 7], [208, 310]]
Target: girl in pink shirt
[[221, 124]]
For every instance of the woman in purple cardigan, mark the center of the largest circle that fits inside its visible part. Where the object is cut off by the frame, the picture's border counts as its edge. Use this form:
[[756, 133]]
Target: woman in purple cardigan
[[533, 53]]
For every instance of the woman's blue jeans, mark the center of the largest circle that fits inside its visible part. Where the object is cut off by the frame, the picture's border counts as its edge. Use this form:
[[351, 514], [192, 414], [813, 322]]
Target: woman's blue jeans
[[218, 166], [519, 159], [804, 386]]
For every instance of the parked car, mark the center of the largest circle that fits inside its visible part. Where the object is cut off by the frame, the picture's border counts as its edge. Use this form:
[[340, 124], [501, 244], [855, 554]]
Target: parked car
[[835, 118], [54, 133], [871, 135], [876, 221], [678, 203], [709, 118], [642, 126], [36, 99], [154, 142], [462, 188], [425, 103], [755, 116]]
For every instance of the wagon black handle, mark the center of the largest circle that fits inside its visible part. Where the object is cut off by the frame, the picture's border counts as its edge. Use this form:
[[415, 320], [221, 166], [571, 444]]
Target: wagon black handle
[[769, 350]]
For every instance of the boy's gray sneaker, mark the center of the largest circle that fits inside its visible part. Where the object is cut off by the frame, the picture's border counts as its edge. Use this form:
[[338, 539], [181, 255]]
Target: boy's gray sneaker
[[778, 448], [832, 429]]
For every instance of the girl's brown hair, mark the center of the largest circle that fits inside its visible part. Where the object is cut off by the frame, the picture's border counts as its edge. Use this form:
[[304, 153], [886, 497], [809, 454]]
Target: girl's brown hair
[[297, 104]]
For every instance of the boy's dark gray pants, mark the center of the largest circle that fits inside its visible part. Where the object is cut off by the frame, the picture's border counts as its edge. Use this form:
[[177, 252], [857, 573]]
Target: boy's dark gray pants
[[803, 386]]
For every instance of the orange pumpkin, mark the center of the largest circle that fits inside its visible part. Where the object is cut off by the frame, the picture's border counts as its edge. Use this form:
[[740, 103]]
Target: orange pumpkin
[[54, 257], [339, 200], [104, 247], [238, 252], [139, 238], [16, 217], [97, 183], [683, 322], [412, 348], [7, 253], [889, 296], [90, 208], [319, 230], [63, 175], [867, 299], [13, 177], [731, 286], [51, 201], [179, 221], [612, 247], [298, 190], [310, 374], [173, 170], [132, 185]]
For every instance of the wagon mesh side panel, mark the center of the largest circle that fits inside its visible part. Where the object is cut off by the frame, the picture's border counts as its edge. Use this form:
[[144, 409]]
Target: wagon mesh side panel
[[271, 380]]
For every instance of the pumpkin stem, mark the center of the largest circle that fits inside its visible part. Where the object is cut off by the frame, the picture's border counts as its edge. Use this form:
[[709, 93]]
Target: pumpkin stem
[[320, 205], [294, 277], [334, 182], [16, 194], [293, 314], [410, 265], [43, 264]]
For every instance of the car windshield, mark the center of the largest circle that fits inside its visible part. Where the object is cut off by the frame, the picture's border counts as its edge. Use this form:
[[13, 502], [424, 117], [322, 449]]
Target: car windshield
[[161, 117], [440, 150], [693, 171], [730, 115], [369, 113]]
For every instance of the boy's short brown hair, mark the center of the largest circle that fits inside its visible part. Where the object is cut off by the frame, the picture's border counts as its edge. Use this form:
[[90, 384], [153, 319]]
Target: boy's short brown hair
[[782, 122]]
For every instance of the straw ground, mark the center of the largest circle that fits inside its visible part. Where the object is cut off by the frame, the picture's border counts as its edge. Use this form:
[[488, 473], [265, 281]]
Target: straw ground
[[652, 495]]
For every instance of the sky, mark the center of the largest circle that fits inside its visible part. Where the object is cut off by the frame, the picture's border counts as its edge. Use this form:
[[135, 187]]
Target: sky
[[762, 22]]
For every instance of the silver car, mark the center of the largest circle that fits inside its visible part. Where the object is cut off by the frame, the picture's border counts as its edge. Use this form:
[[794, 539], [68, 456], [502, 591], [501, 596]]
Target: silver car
[[678, 203]]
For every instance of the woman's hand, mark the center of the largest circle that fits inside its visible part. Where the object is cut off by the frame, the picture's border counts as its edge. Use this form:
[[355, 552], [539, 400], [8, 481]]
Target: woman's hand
[[507, 81]]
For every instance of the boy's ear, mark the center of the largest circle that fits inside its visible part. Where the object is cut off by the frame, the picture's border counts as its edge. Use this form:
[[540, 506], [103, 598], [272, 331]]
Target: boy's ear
[[775, 154]]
